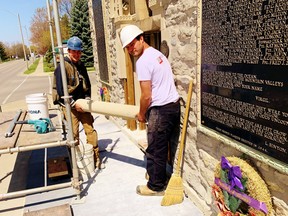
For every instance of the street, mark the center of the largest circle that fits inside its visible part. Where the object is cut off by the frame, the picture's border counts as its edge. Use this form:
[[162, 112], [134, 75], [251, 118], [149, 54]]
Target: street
[[15, 85]]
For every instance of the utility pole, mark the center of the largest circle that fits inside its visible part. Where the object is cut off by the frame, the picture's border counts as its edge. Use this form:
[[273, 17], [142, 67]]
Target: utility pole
[[51, 33], [29, 44], [23, 45], [25, 57]]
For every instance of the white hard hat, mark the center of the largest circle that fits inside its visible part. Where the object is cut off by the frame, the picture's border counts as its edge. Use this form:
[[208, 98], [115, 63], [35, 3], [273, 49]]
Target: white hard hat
[[129, 33]]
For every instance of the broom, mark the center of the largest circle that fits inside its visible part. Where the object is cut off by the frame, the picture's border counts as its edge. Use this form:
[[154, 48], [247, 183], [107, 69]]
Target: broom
[[174, 191]]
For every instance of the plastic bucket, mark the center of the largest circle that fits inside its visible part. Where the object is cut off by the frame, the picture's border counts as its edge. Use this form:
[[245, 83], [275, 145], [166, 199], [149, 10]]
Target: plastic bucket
[[37, 105], [85, 158]]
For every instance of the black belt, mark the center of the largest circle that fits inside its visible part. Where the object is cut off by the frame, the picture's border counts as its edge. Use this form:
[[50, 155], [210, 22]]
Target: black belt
[[157, 107], [172, 103], [169, 104]]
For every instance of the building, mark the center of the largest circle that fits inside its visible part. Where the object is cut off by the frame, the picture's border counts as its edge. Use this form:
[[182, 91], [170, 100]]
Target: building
[[183, 30]]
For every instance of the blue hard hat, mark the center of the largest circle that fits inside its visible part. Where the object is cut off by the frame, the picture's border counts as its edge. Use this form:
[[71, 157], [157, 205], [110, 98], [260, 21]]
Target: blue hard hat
[[74, 43]]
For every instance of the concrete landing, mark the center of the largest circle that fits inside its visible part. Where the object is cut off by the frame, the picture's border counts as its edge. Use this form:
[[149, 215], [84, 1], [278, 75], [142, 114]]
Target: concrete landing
[[111, 191]]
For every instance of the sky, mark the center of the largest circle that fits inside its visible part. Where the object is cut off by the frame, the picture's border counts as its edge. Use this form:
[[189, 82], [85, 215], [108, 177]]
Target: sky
[[9, 24]]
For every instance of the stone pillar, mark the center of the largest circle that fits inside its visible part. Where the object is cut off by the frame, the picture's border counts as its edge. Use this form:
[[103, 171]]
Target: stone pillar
[[141, 10], [119, 7]]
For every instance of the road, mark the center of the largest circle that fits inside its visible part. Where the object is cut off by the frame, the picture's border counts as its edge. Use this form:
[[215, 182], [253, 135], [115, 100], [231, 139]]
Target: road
[[15, 85]]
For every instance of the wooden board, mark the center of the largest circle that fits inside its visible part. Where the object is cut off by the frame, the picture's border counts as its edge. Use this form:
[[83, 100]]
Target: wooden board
[[63, 210], [29, 136], [57, 167]]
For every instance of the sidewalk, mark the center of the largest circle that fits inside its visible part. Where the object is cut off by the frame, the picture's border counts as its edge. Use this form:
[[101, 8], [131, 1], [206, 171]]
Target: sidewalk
[[39, 70]]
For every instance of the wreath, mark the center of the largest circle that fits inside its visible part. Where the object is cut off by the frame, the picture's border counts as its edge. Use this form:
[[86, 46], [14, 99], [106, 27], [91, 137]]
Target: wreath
[[239, 190]]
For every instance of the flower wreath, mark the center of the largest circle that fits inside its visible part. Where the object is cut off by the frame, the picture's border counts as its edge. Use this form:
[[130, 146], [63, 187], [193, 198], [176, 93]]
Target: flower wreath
[[239, 190]]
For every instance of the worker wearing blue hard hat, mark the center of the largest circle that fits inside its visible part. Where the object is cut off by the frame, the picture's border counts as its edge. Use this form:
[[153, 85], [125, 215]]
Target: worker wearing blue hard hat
[[79, 87], [74, 43]]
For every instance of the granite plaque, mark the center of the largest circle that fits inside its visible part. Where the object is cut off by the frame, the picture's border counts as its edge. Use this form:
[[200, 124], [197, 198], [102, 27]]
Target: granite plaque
[[244, 72]]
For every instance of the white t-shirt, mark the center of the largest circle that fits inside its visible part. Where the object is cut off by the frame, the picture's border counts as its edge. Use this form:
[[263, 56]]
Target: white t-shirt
[[154, 66]]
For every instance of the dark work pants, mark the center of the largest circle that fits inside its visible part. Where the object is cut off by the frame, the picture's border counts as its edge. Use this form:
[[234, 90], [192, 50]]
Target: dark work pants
[[163, 129]]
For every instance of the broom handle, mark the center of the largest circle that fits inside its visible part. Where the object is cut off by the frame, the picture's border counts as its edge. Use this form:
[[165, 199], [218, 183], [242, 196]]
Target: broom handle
[[184, 129]]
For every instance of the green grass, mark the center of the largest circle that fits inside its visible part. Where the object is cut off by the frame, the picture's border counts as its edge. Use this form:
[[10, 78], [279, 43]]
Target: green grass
[[90, 69], [48, 67], [32, 67]]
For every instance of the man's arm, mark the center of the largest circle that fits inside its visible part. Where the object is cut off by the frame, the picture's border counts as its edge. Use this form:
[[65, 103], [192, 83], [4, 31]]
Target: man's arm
[[59, 84], [84, 73], [145, 99]]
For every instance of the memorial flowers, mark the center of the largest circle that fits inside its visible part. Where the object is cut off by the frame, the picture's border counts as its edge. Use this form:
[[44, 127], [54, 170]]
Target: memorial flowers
[[239, 190]]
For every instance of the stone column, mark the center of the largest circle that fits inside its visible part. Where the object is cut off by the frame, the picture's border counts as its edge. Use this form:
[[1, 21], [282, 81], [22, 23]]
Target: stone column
[[141, 9]]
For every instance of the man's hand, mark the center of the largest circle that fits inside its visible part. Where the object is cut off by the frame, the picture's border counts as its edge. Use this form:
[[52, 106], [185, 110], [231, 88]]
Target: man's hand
[[79, 108], [141, 118]]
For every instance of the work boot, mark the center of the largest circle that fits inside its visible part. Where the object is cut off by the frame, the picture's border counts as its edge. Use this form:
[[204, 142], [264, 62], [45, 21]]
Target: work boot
[[97, 159], [147, 176], [145, 191], [99, 164]]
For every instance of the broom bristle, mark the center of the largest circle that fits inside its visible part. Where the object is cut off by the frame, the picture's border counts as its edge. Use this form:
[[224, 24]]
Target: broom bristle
[[174, 191]]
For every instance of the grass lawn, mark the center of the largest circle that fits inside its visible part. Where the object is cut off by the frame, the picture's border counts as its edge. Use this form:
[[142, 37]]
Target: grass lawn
[[32, 68]]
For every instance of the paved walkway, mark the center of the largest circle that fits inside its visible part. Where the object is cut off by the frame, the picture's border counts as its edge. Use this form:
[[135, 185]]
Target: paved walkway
[[39, 70], [112, 191]]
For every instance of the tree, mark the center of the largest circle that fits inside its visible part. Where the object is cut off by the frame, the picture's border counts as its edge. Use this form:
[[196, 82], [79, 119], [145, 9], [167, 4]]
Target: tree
[[40, 35], [3, 55], [40, 31], [15, 50], [80, 27], [65, 27], [49, 55], [65, 7]]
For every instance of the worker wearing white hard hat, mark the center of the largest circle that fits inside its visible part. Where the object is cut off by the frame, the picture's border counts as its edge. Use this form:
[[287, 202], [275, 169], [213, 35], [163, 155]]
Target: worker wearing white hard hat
[[128, 33], [159, 106]]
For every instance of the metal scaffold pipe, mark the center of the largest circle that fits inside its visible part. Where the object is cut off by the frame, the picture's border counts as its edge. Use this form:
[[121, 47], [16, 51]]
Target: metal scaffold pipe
[[32, 147], [33, 191], [51, 33], [67, 101]]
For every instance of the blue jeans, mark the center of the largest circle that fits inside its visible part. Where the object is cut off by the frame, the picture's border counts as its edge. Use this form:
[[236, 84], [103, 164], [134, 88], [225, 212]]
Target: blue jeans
[[162, 133]]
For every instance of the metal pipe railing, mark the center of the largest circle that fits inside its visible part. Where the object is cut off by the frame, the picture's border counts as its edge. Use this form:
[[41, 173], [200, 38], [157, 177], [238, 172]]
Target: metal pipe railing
[[75, 183], [22, 193], [33, 147]]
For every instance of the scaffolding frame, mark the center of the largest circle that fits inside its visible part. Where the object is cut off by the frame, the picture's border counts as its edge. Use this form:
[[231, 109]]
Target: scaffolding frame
[[70, 142]]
